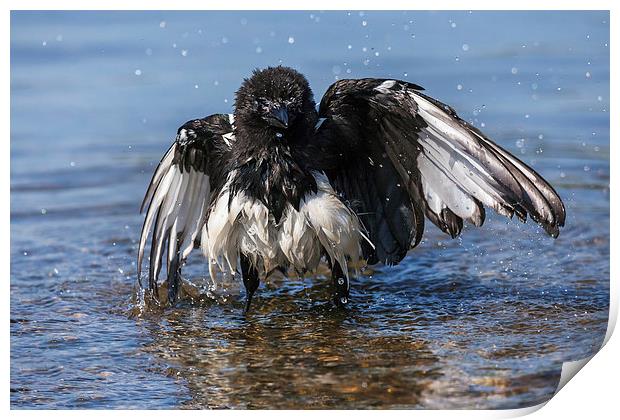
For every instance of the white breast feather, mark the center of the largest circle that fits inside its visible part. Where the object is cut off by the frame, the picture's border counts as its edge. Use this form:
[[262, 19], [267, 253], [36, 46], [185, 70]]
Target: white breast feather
[[323, 221]]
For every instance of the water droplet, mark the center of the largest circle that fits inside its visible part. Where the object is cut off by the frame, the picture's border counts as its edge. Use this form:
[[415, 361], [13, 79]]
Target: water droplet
[[343, 300], [184, 53], [162, 24], [364, 23], [138, 72], [259, 50], [588, 75], [453, 24], [514, 70], [44, 43], [459, 87], [349, 46], [291, 40], [43, 211], [341, 281], [465, 47]]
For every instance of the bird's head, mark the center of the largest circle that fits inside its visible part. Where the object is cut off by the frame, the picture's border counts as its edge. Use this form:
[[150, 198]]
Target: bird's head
[[275, 101]]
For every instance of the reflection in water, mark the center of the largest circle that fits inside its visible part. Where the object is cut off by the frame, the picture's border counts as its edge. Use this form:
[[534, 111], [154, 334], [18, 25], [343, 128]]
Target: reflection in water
[[284, 355], [484, 321], [294, 351], [292, 356]]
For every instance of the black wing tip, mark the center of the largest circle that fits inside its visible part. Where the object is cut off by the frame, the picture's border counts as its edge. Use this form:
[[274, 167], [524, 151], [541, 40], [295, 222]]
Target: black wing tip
[[552, 230], [561, 211]]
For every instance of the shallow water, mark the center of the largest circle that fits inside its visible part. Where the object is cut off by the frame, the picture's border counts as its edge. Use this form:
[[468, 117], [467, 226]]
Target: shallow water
[[484, 321]]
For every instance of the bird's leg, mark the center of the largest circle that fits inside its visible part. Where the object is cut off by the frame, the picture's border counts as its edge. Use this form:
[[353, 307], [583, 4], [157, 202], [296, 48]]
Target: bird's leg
[[341, 285], [174, 279], [250, 280]]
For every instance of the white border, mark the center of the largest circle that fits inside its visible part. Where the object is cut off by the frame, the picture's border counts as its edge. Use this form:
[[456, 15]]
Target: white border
[[593, 394]]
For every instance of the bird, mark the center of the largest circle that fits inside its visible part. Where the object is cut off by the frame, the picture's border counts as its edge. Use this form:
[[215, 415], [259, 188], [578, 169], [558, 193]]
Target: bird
[[281, 184]]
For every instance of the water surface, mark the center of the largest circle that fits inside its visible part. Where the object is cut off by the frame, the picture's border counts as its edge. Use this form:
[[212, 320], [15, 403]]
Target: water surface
[[484, 321]]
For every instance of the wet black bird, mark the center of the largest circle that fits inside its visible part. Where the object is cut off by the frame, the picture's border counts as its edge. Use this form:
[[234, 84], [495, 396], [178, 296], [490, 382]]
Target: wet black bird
[[278, 185]]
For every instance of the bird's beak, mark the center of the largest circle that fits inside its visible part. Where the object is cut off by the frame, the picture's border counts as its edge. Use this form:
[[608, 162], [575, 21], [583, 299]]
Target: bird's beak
[[278, 117]]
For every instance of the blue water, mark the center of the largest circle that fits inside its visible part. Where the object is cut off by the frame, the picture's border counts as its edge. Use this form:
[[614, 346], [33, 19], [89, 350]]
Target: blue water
[[484, 321]]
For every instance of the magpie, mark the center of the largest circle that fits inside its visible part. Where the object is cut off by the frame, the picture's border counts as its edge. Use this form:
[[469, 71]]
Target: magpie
[[278, 185]]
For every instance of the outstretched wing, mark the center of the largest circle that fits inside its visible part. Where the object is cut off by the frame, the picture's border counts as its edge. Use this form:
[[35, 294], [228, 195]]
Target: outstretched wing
[[178, 196], [402, 155]]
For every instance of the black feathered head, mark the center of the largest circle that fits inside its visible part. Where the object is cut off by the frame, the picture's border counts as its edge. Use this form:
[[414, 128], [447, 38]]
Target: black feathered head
[[276, 101]]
